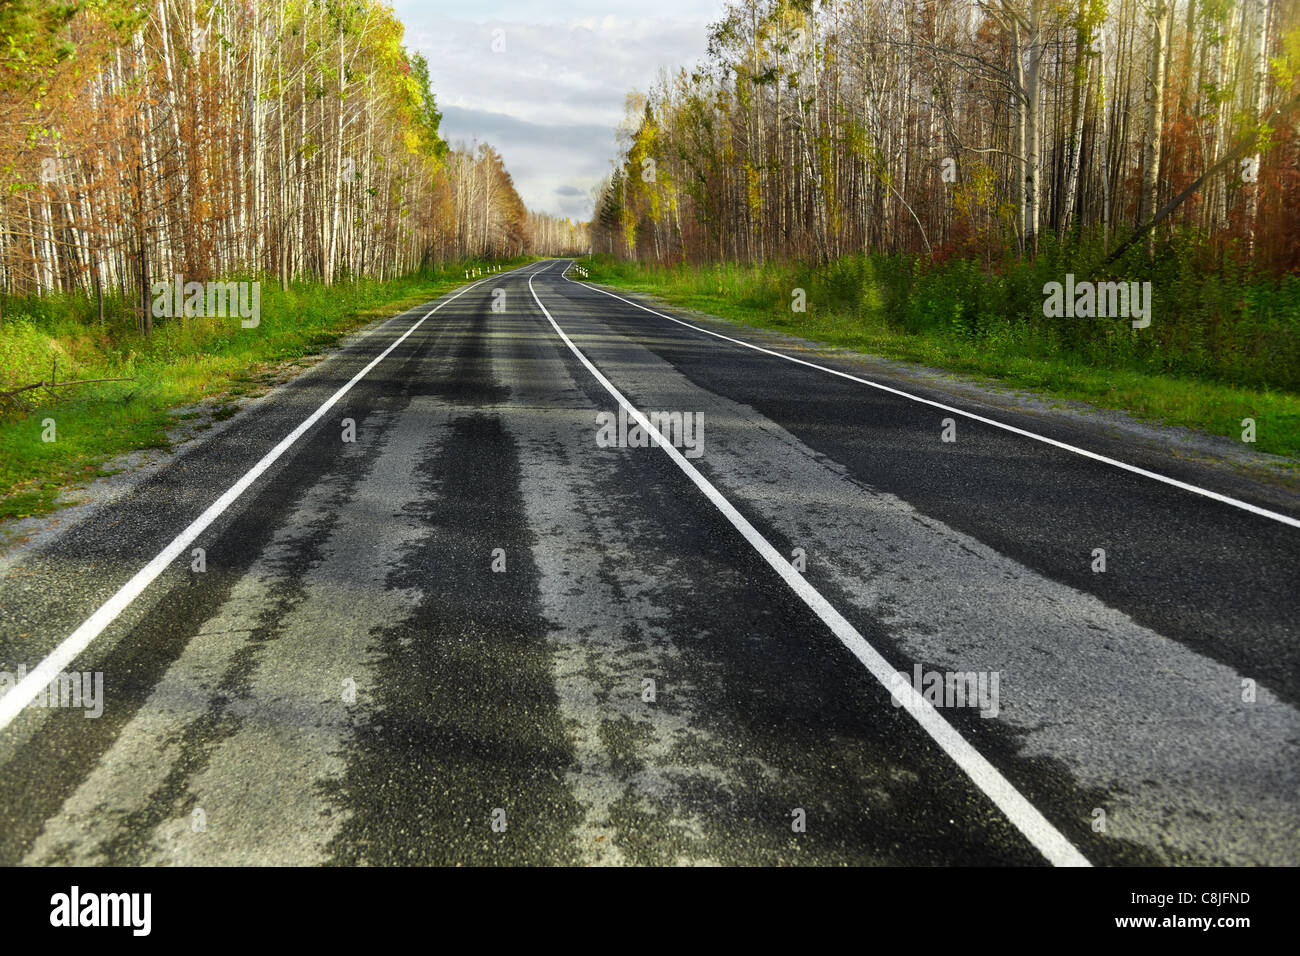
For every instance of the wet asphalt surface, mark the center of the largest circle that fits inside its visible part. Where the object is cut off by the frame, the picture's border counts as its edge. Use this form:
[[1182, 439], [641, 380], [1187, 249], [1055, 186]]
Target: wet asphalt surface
[[475, 635]]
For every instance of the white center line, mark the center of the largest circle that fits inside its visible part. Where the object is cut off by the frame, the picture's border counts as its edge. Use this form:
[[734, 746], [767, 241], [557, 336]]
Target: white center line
[[1049, 841], [1194, 489]]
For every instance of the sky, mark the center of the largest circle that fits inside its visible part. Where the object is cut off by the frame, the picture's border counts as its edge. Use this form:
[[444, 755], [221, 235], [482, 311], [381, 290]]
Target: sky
[[551, 93]]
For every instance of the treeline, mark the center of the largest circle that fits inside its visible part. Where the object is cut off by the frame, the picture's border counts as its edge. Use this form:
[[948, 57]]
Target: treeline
[[813, 130], [558, 237], [290, 138]]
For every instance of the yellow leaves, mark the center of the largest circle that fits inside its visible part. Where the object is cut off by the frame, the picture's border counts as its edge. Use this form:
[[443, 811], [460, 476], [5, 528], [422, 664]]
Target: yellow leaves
[[754, 193], [855, 139], [975, 202], [629, 232], [412, 90], [1286, 68], [976, 191]]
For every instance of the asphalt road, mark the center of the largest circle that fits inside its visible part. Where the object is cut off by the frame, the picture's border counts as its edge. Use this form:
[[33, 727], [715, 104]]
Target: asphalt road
[[477, 634]]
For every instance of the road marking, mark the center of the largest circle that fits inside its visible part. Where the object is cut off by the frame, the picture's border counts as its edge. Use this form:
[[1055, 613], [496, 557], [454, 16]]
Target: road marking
[[1049, 841], [12, 703], [1195, 489]]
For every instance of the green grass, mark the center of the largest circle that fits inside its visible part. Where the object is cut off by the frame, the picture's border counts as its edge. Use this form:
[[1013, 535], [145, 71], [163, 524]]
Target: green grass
[[1218, 350], [184, 362]]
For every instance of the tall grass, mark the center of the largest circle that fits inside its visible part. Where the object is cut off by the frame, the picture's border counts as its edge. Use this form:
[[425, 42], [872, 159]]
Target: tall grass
[[184, 361], [1223, 343], [1224, 325], [36, 332]]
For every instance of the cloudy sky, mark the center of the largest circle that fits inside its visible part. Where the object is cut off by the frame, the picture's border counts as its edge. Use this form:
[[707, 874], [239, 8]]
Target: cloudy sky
[[550, 100]]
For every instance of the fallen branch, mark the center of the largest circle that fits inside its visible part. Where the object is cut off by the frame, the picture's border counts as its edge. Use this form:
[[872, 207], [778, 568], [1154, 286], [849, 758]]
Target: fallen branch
[[1245, 143], [53, 383]]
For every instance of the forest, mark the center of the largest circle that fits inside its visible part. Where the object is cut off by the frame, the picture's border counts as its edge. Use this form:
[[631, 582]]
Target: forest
[[292, 139], [922, 180], [962, 127], [288, 148]]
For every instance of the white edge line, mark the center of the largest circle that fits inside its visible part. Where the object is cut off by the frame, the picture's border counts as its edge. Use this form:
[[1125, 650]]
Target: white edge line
[[21, 694], [1205, 492], [1049, 841]]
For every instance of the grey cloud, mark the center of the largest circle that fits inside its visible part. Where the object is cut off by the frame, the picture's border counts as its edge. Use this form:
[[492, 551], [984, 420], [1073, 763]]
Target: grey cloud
[[550, 103], [457, 121], [544, 160]]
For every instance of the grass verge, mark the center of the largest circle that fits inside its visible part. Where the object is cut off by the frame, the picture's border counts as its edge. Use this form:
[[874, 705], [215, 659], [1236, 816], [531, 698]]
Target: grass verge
[[48, 444], [1008, 353]]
